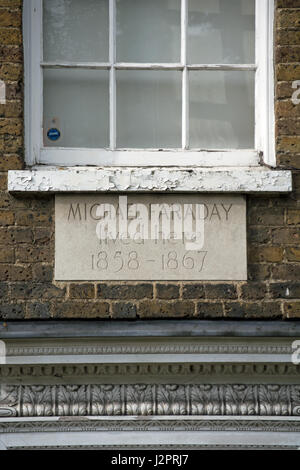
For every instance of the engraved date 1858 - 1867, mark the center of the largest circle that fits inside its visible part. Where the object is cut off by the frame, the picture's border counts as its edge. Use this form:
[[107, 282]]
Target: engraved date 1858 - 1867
[[169, 261]]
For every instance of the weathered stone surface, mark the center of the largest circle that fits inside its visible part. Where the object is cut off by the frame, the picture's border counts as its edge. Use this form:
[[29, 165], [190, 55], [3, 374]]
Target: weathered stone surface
[[81, 255]]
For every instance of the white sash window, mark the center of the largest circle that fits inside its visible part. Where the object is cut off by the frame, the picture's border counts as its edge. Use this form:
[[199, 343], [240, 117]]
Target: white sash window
[[149, 82]]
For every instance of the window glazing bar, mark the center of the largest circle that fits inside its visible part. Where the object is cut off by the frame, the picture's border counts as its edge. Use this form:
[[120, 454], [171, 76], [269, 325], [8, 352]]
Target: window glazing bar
[[185, 78], [112, 76], [76, 65], [148, 66], [224, 67]]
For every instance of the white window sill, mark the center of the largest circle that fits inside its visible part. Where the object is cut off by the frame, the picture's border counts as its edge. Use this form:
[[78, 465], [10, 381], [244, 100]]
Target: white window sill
[[145, 179]]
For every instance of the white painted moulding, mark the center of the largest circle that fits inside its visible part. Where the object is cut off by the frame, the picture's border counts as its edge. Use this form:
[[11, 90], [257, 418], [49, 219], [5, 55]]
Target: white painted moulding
[[141, 179], [156, 351]]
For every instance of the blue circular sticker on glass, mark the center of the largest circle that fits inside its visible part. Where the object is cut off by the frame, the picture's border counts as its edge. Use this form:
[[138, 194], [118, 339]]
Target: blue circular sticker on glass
[[53, 134]]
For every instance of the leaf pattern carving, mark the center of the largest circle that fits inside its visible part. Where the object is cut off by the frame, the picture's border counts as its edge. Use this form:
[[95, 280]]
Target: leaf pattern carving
[[36, 400], [71, 400], [139, 400], [147, 400], [171, 400], [295, 398], [274, 400], [240, 400], [106, 400], [205, 400], [8, 400]]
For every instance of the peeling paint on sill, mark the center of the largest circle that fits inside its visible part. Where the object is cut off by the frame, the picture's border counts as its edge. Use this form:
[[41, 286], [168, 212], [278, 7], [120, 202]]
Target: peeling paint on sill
[[142, 179]]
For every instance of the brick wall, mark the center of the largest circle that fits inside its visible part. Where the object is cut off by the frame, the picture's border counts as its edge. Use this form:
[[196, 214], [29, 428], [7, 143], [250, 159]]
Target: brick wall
[[27, 289]]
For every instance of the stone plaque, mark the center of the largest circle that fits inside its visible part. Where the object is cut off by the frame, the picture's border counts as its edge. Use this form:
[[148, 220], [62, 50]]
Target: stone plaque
[[150, 237]]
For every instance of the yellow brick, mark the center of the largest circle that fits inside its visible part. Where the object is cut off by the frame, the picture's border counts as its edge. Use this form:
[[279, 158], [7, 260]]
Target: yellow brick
[[287, 19], [11, 162], [269, 254], [3, 182], [11, 109], [11, 126], [13, 144], [293, 253], [9, 18], [289, 144], [293, 217], [11, 3], [288, 72], [10, 36], [11, 71], [292, 309], [7, 218], [287, 109]]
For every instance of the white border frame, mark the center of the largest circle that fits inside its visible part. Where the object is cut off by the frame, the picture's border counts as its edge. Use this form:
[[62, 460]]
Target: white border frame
[[265, 82], [264, 99], [32, 23]]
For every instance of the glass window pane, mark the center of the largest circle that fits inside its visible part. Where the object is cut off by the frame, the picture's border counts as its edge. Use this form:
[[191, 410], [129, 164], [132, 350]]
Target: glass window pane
[[221, 110], [76, 108], [221, 32], [76, 30], [148, 109], [148, 31]]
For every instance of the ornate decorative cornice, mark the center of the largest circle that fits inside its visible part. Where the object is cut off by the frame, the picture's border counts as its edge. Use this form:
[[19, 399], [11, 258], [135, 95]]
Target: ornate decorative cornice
[[142, 385], [148, 369], [149, 400], [155, 424], [148, 348]]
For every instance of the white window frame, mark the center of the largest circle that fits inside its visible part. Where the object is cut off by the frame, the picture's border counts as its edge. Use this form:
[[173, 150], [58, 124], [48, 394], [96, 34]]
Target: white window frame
[[37, 154]]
